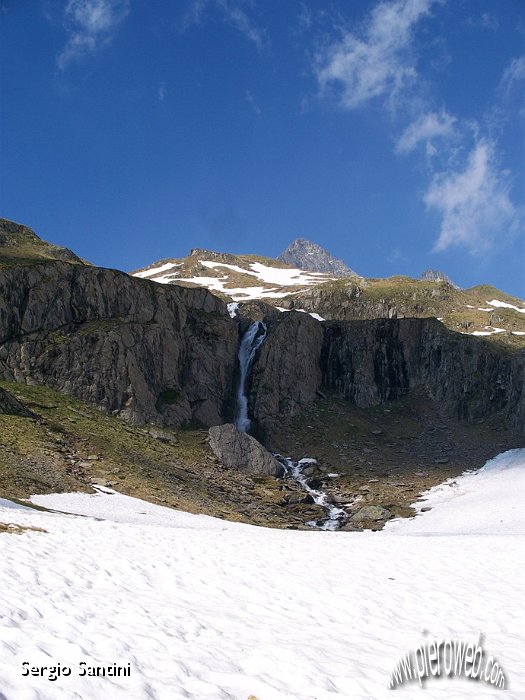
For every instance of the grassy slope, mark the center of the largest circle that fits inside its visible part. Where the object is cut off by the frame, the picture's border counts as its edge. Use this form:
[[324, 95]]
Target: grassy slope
[[71, 445]]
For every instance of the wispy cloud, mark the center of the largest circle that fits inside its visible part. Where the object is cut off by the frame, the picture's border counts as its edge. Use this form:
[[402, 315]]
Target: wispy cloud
[[513, 74], [161, 91], [426, 128], [474, 203], [378, 61], [90, 24], [234, 12], [250, 99], [484, 21]]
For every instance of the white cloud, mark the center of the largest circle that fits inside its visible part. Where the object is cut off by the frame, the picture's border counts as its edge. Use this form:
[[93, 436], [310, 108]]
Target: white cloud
[[161, 91], [379, 61], [427, 127], [90, 24], [233, 11], [474, 203]]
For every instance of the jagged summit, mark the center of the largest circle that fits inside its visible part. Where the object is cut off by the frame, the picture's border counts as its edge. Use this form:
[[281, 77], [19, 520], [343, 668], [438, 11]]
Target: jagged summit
[[437, 276], [310, 256]]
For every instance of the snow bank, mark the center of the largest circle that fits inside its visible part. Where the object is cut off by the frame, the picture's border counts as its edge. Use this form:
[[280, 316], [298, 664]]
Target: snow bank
[[488, 501], [203, 608], [505, 305]]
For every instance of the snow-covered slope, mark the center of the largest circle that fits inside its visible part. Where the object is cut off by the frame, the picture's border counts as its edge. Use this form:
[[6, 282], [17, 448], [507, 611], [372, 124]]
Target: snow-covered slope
[[239, 277], [203, 608]]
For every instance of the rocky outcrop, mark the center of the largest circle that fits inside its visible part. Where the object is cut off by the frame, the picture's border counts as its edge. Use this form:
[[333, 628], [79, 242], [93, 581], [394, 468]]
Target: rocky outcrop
[[306, 255], [369, 362], [437, 276], [237, 450], [11, 406], [145, 351], [286, 373]]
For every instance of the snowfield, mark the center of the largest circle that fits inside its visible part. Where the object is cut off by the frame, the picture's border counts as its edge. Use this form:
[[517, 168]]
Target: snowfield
[[203, 608], [283, 277]]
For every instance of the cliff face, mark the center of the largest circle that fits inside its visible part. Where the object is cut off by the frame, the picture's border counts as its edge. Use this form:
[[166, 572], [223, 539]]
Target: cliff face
[[286, 373], [371, 362], [146, 352]]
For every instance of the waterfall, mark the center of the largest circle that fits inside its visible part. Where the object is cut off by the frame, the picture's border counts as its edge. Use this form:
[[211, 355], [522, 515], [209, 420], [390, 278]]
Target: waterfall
[[250, 343]]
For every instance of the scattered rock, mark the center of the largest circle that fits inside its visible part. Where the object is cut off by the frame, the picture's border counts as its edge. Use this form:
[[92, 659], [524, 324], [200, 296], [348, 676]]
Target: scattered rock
[[442, 460], [162, 436]]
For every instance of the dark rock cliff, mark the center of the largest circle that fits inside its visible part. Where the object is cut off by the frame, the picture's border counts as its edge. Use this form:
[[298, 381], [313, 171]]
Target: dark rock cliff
[[139, 349], [286, 372], [371, 362]]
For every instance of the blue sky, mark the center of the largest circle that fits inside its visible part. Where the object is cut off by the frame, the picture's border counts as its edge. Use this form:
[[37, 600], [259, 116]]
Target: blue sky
[[392, 133]]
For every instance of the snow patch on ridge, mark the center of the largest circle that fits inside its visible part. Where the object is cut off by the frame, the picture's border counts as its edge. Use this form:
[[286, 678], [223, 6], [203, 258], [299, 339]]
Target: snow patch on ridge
[[504, 305]]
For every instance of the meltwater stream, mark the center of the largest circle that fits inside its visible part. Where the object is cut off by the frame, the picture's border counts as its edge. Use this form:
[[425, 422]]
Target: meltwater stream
[[251, 341], [335, 516]]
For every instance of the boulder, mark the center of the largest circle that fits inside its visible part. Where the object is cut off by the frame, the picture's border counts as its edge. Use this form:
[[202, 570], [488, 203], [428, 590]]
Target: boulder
[[238, 450], [370, 514]]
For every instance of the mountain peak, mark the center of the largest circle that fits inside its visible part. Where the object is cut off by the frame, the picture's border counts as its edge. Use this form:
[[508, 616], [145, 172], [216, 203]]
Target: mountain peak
[[437, 276], [305, 255]]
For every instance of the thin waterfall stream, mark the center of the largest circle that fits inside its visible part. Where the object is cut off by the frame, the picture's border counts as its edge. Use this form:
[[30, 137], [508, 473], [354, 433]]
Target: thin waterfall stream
[[251, 341]]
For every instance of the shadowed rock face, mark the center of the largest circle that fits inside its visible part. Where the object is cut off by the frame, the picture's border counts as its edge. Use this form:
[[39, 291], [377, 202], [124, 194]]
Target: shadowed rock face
[[11, 406], [371, 362], [286, 373], [147, 352]]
